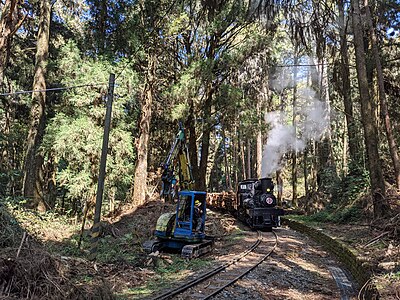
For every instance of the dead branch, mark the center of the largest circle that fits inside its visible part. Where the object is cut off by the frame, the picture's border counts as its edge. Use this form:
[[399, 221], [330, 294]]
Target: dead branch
[[375, 239]]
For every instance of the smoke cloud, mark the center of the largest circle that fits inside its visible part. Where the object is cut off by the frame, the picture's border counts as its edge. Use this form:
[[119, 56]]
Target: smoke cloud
[[312, 121]]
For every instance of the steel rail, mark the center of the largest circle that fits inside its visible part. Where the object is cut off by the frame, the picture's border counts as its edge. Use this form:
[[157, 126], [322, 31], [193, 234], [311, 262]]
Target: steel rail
[[245, 272], [219, 269], [207, 275]]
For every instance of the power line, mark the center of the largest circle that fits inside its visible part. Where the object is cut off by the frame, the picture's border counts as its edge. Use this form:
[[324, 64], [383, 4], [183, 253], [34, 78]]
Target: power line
[[326, 64], [307, 65], [51, 89], [299, 65]]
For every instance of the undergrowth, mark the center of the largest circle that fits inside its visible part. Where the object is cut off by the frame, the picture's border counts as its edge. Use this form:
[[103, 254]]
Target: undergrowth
[[351, 188], [347, 201], [166, 275], [344, 215], [10, 229]]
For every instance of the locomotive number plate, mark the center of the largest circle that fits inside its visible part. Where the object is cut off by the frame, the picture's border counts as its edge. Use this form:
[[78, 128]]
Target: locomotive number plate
[[243, 186]]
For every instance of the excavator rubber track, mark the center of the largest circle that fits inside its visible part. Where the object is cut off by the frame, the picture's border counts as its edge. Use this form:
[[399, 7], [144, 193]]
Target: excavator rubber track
[[151, 246], [196, 250]]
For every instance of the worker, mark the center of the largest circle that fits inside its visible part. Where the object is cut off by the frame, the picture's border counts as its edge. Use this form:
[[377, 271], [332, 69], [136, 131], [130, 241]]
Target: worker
[[197, 215]]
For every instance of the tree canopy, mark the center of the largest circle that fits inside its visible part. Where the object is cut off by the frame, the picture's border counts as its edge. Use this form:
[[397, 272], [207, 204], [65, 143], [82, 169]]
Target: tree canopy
[[305, 92]]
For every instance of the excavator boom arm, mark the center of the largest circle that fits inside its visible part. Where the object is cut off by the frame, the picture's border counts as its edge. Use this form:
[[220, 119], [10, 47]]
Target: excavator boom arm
[[178, 158]]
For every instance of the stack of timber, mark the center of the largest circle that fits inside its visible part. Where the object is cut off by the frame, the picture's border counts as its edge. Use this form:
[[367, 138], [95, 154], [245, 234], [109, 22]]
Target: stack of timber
[[223, 200]]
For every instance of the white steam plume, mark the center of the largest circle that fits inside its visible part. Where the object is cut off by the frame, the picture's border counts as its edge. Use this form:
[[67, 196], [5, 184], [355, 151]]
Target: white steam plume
[[311, 123]]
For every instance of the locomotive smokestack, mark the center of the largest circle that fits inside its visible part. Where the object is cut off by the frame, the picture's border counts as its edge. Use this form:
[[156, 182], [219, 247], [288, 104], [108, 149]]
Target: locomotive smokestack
[[267, 185]]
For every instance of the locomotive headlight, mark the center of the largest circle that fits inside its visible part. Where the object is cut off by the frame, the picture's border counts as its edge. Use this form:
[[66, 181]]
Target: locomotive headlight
[[269, 200]]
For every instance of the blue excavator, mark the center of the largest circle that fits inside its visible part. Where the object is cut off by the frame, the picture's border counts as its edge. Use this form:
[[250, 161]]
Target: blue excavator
[[183, 229]]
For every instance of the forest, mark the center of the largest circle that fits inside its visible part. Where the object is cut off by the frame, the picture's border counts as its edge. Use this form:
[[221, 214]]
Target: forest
[[305, 92]]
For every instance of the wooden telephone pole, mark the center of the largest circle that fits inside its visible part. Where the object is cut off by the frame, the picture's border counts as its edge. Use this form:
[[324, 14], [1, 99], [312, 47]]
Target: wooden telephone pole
[[102, 171]]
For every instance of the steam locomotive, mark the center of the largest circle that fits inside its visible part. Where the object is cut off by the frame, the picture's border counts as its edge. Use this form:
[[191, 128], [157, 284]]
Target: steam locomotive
[[256, 204]]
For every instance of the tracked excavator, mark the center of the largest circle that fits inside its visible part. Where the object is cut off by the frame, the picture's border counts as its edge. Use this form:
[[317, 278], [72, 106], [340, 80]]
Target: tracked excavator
[[183, 229]]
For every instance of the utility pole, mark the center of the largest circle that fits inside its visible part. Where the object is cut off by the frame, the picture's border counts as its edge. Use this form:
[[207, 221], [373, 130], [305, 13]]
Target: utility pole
[[102, 171]]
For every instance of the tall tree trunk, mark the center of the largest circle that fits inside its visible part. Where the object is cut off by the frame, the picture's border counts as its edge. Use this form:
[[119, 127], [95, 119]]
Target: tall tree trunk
[[313, 145], [305, 172], [243, 159], [382, 97], [294, 154], [279, 183], [235, 146], [381, 206], [248, 148], [140, 180], [228, 181], [346, 88], [5, 161], [213, 163], [33, 160], [209, 92], [192, 147], [103, 25], [326, 167], [279, 179], [11, 19], [259, 148], [344, 156], [51, 183], [205, 141], [259, 145], [190, 121], [313, 168]]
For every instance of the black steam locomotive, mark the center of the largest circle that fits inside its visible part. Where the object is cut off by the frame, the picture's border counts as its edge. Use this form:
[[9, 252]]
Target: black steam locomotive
[[256, 204]]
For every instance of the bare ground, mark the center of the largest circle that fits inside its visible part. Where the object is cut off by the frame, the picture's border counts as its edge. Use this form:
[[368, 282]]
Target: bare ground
[[298, 269]]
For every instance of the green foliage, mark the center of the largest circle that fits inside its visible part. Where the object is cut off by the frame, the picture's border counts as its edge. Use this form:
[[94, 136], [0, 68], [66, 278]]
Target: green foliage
[[186, 87], [10, 228], [74, 135], [178, 24], [112, 250], [167, 274], [351, 187], [49, 225], [188, 83], [179, 111], [77, 144], [346, 204], [395, 275], [344, 215], [11, 149], [329, 181]]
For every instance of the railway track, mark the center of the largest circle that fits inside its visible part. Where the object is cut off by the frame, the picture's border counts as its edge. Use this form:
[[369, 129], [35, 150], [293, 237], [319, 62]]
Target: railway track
[[211, 283]]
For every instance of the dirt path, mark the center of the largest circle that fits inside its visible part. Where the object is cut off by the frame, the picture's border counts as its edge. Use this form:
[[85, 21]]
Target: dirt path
[[299, 269]]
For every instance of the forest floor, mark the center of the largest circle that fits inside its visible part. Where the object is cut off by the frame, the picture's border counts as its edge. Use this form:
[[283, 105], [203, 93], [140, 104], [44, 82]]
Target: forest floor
[[40, 258], [378, 248]]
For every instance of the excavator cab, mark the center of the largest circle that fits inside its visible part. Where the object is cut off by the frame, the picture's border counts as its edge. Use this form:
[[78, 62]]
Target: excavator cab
[[190, 215], [183, 230]]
